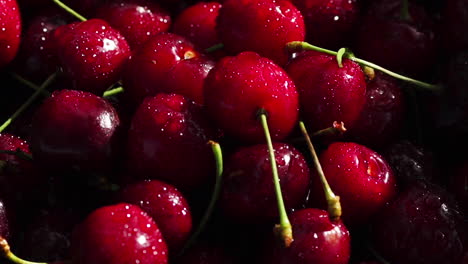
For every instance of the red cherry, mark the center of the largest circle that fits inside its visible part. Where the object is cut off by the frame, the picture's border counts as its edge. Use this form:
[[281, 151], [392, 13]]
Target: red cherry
[[166, 205], [118, 234], [10, 31], [136, 20], [327, 91], [238, 87], [262, 26], [92, 54]]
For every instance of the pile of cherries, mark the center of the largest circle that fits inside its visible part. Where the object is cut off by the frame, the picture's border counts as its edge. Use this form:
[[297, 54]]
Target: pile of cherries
[[234, 131]]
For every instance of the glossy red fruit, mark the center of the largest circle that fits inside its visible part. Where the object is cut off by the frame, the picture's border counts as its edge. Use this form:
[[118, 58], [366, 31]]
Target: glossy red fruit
[[248, 195], [167, 63], [168, 140], [75, 130], [422, 225], [360, 176], [197, 23], [402, 45], [92, 54], [329, 24], [382, 118], [238, 87], [136, 20], [317, 240], [118, 234], [166, 205], [327, 92], [10, 31], [262, 26]]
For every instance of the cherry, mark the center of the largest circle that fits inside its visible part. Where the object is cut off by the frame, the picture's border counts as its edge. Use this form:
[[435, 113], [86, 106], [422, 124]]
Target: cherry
[[166, 205], [248, 194], [328, 92], [329, 24], [166, 63], [197, 23], [261, 26], [168, 140], [382, 117], [136, 20], [249, 83], [92, 54], [118, 234], [360, 176], [10, 31], [75, 129], [422, 225]]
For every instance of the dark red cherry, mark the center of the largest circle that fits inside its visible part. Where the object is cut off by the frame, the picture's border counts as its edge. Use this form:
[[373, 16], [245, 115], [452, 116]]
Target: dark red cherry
[[262, 26], [136, 20], [92, 54], [317, 240], [360, 176], [328, 92], [405, 45], [168, 140], [118, 234], [422, 225], [10, 31], [75, 130], [198, 24], [238, 87], [166, 205], [329, 24], [248, 194], [166, 63], [382, 117]]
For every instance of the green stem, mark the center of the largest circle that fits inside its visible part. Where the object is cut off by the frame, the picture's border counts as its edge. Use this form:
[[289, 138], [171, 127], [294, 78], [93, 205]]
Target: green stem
[[69, 10], [302, 45], [114, 91], [218, 155], [6, 253], [28, 102], [337, 128], [29, 84], [214, 48], [284, 229], [404, 11], [333, 201]]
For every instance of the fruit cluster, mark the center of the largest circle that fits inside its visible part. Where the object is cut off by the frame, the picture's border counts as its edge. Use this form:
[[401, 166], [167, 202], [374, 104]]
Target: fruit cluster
[[234, 131]]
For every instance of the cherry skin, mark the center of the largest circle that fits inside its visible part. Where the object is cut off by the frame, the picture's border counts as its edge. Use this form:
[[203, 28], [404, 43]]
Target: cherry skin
[[168, 140], [75, 129], [158, 65], [422, 225], [92, 54], [317, 239], [238, 87], [166, 205], [360, 176], [327, 92], [248, 193], [4, 222], [261, 26], [118, 234], [329, 24], [136, 20], [382, 117], [10, 34]]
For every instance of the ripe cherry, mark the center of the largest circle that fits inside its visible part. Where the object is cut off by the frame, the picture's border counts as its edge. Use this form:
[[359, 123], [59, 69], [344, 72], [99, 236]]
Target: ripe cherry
[[10, 31]]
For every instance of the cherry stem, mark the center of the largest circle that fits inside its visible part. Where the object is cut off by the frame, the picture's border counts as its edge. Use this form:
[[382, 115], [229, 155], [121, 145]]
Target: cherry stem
[[404, 11], [19, 153], [302, 45], [333, 201], [28, 102], [29, 84], [6, 253], [214, 48], [69, 10], [284, 228], [337, 128], [218, 155], [114, 91]]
